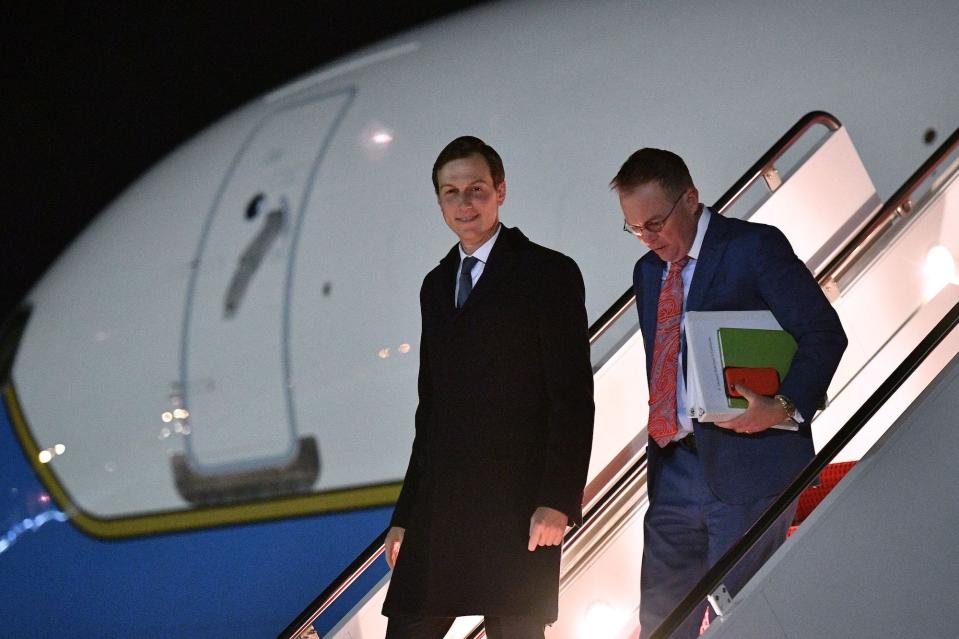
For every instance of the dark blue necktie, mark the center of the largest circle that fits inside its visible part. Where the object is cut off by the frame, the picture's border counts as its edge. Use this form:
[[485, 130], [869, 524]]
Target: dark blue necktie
[[466, 280]]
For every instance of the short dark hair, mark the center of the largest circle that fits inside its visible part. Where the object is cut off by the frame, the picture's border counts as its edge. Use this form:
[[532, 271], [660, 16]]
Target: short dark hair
[[463, 147], [653, 165]]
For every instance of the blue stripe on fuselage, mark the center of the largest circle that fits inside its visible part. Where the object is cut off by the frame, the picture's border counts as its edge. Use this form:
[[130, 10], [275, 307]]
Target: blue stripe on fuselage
[[237, 581]]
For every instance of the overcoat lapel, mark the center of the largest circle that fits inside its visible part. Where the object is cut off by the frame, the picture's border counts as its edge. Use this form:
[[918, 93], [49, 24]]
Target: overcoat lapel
[[445, 285], [710, 255], [501, 261]]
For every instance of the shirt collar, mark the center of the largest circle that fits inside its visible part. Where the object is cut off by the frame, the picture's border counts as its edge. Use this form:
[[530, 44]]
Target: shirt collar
[[482, 253], [700, 233]]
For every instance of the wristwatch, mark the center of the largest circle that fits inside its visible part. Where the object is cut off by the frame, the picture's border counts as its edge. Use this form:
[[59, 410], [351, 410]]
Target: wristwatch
[[788, 407]]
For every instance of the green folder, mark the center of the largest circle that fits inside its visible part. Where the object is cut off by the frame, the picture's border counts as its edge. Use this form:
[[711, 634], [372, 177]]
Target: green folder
[[755, 348]]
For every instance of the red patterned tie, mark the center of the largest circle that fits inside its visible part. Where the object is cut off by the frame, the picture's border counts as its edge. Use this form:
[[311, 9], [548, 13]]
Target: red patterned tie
[[663, 424]]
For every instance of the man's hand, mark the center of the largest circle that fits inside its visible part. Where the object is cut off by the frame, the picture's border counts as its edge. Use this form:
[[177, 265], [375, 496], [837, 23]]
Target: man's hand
[[546, 527], [762, 413], [391, 547]]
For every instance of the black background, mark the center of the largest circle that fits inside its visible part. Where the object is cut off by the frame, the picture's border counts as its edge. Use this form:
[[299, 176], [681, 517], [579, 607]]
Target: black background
[[93, 94]]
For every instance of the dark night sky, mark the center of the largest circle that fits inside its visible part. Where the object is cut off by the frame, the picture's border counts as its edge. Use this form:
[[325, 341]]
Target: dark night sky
[[95, 93]]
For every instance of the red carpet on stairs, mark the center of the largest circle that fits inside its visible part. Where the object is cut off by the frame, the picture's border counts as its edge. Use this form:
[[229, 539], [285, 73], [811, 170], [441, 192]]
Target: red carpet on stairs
[[810, 498]]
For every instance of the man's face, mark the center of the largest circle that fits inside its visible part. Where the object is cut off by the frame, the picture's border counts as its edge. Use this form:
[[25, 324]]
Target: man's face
[[469, 200], [651, 203]]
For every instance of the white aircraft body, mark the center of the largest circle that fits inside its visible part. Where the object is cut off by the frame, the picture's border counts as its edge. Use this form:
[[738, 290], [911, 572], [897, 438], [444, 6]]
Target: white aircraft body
[[234, 340]]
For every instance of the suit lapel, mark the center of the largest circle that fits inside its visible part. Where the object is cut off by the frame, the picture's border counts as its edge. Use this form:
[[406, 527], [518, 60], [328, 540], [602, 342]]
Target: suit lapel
[[652, 284], [710, 255]]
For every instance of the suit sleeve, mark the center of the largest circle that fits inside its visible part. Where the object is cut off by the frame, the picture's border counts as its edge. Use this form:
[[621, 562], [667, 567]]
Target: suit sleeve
[[800, 306], [564, 344], [418, 457]]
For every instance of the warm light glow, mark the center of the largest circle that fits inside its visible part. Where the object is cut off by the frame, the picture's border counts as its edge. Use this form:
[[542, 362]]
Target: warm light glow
[[601, 620], [938, 270], [376, 139], [383, 354], [181, 413], [404, 348], [45, 456], [59, 449], [167, 417]]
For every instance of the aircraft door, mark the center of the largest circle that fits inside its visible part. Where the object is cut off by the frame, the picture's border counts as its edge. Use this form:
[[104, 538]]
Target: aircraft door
[[235, 402]]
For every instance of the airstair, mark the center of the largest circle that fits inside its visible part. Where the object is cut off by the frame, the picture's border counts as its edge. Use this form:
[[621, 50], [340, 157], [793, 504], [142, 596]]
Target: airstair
[[889, 270]]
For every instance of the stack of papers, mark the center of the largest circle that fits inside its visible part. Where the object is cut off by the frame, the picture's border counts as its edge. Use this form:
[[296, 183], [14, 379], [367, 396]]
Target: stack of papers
[[748, 345]]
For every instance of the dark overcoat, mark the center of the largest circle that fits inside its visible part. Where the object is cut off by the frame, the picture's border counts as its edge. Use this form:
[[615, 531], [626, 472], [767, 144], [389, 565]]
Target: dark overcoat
[[504, 425]]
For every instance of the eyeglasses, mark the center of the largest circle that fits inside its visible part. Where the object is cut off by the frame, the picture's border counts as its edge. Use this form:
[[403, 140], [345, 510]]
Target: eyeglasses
[[653, 226]]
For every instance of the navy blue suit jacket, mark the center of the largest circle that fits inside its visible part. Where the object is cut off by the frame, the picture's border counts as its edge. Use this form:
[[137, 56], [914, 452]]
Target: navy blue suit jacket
[[749, 266]]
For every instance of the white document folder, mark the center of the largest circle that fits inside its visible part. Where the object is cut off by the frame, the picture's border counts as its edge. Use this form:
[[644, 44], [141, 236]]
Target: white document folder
[[706, 398]]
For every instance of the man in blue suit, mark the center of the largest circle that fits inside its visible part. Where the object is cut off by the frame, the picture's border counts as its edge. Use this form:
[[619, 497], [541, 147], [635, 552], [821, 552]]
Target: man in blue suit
[[709, 482]]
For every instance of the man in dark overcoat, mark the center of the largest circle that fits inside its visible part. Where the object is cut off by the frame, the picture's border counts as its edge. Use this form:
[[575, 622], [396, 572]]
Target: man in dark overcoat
[[504, 421]]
